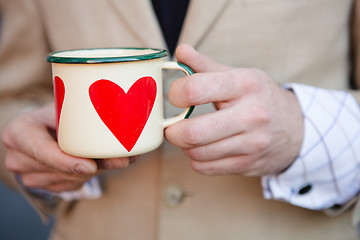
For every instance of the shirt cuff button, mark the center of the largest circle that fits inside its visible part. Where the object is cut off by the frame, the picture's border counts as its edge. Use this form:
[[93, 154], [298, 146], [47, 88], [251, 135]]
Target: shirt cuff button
[[305, 189]]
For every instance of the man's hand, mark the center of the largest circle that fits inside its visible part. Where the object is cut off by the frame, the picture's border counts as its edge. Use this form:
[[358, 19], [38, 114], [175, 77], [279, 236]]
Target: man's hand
[[256, 130], [33, 153]]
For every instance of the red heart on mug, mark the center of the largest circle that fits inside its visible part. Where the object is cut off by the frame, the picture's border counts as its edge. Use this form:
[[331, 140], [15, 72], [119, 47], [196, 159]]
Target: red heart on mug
[[125, 114], [59, 94]]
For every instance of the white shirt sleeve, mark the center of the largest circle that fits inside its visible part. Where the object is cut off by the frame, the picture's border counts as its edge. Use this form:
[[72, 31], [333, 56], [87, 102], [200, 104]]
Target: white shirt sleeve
[[90, 190], [327, 170]]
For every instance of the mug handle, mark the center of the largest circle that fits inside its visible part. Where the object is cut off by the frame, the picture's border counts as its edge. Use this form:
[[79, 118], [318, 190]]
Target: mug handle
[[188, 71]]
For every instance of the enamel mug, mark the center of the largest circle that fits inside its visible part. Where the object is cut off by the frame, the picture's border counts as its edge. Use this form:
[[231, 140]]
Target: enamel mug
[[109, 101]]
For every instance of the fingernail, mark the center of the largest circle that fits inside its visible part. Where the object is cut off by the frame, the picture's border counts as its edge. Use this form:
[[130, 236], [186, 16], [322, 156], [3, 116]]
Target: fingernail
[[82, 169]]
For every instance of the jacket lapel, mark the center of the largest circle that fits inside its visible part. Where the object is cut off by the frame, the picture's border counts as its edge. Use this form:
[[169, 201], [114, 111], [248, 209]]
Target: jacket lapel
[[201, 17], [137, 14], [198, 22]]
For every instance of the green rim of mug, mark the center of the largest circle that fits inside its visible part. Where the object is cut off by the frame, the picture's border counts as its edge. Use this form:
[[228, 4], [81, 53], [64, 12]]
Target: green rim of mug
[[156, 53], [190, 72]]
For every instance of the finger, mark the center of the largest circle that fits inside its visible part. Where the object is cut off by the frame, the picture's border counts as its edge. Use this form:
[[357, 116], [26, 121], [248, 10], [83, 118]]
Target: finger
[[30, 135], [242, 164], [241, 144], [65, 186], [207, 128], [46, 179], [18, 162], [198, 62], [113, 163], [47, 113], [202, 88], [40, 145], [50, 154]]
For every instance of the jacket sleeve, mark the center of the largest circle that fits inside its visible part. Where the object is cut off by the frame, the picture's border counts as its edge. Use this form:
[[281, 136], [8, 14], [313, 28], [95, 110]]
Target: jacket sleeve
[[25, 80]]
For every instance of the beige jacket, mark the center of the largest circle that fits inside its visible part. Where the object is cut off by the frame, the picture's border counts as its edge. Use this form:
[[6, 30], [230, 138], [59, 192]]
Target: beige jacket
[[160, 196]]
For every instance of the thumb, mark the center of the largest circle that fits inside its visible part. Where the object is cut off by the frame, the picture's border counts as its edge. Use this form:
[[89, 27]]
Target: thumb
[[198, 62]]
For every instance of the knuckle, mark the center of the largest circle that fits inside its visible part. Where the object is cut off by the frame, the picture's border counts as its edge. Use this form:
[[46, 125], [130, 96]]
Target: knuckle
[[192, 92], [252, 79], [195, 154], [243, 165], [192, 135], [257, 74], [262, 142], [37, 147], [6, 136], [124, 163], [261, 115], [14, 129], [234, 73], [231, 80]]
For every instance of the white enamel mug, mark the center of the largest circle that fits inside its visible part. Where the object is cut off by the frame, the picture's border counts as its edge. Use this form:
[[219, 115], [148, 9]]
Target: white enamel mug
[[109, 101]]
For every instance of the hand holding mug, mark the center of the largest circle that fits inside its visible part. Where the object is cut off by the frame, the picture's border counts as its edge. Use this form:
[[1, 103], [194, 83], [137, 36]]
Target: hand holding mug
[[33, 153], [108, 105], [256, 130]]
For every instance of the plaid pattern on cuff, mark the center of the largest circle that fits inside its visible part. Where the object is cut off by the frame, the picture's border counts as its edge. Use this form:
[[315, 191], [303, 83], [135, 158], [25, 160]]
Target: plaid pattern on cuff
[[327, 171]]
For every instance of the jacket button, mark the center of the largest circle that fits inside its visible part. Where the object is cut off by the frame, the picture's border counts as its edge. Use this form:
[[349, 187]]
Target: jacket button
[[174, 195]]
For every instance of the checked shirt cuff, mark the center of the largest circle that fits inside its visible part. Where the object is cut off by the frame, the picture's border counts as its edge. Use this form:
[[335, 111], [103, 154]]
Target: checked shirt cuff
[[327, 171]]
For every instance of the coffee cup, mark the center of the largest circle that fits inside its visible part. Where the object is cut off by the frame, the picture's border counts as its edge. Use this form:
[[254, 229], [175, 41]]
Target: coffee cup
[[109, 101]]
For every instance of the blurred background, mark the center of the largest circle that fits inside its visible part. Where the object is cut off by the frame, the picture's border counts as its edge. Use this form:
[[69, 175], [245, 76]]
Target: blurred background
[[18, 220]]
